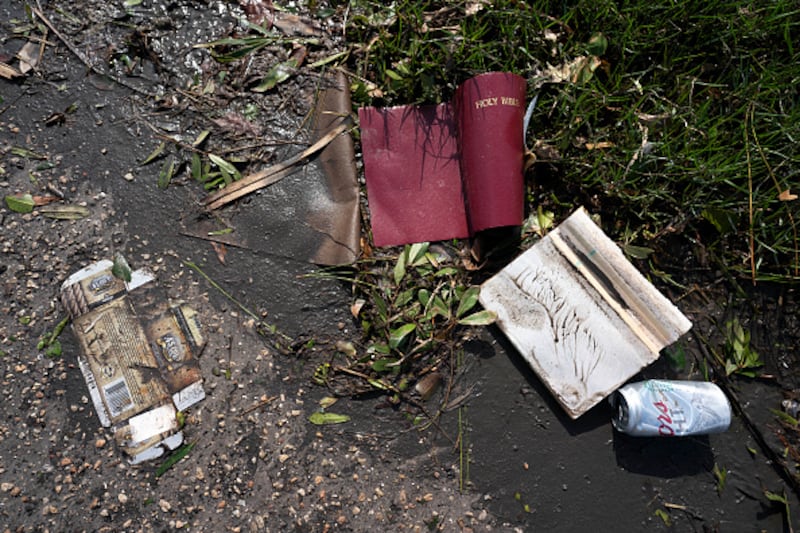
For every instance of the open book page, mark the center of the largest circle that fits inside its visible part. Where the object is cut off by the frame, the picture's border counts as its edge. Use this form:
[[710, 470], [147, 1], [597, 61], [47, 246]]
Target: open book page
[[580, 313], [413, 174], [443, 172]]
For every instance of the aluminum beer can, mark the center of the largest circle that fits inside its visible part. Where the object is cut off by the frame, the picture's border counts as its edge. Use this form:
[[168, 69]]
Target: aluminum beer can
[[670, 408]]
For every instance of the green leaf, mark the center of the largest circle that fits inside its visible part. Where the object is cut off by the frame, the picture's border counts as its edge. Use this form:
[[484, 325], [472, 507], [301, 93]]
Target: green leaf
[[468, 300], [438, 307], [245, 46], [121, 268], [381, 307], [597, 44], [677, 357], [382, 364], [447, 271], [398, 335], [65, 212], [773, 497], [27, 154], [166, 173], [394, 75], [481, 318], [179, 454], [662, 514], [637, 252], [381, 348], [197, 167], [721, 476], [277, 74], [200, 138], [225, 166], [725, 221], [404, 297], [424, 296], [400, 266], [378, 384], [329, 59], [54, 349], [322, 419], [155, 154], [416, 253], [20, 204]]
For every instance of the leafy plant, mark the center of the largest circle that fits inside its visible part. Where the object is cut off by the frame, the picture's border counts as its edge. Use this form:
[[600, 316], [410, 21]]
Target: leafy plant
[[783, 501], [721, 476], [50, 343], [664, 516], [411, 308], [740, 357], [173, 459]]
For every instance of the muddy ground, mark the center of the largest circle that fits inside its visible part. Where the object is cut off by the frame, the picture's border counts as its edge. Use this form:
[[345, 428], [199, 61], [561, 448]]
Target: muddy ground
[[258, 464]]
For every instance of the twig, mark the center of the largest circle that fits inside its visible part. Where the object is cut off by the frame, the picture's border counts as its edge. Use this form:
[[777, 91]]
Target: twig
[[751, 231], [271, 174], [230, 297], [79, 55], [259, 405]]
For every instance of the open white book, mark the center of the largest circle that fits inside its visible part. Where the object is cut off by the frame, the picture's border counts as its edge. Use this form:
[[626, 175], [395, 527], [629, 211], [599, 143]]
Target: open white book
[[581, 314]]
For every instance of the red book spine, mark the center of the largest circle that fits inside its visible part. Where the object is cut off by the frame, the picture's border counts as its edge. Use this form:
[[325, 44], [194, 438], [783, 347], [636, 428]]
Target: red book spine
[[489, 113]]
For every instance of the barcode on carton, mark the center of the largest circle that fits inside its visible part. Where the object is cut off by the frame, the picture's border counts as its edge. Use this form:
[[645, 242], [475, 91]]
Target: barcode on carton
[[118, 397]]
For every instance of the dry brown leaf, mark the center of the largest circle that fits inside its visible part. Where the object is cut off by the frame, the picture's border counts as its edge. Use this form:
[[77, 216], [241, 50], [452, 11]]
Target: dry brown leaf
[[44, 200], [474, 7], [235, 123], [786, 196], [355, 309], [578, 70], [299, 55], [220, 250], [256, 10], [9, 72], [294, 25], [28, 57], [599, 146]]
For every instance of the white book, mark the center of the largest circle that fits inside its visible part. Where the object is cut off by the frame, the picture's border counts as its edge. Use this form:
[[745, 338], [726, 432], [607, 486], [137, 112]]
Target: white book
[[580, 313]]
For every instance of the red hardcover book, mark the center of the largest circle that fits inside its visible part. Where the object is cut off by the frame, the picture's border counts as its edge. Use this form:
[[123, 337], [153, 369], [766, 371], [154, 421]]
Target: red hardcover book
[[446, 171]]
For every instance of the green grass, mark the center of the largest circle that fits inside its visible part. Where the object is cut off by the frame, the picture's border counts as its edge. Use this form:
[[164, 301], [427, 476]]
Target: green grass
[[695, 101]]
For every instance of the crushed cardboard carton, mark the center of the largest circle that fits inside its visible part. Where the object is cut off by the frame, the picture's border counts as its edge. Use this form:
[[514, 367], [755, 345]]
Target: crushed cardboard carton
[[137, 356]]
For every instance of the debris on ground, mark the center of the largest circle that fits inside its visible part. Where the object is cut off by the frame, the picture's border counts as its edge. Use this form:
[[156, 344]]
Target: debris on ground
[[580, 313], [137, 356]]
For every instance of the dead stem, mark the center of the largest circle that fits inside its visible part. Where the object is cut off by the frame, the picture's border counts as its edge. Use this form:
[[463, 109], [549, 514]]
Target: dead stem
[[750, 230]]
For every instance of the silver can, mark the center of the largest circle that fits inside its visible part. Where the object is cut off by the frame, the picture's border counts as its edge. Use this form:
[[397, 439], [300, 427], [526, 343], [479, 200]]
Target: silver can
[[670, 408]]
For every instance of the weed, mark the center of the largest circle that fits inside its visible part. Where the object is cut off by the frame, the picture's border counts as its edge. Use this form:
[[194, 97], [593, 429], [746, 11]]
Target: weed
[[411, 307], [50, 343], [664, 516], [783, 501], [173, 459], [721, 476], [740, 357]]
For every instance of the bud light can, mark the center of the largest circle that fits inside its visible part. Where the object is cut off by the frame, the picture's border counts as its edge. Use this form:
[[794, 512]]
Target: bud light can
[[670, 408]]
